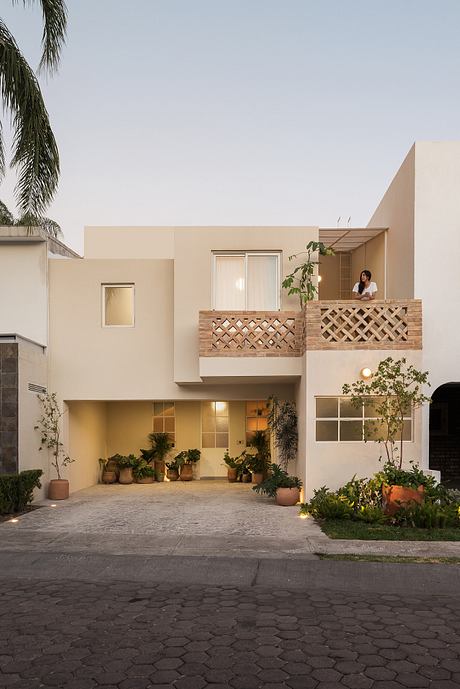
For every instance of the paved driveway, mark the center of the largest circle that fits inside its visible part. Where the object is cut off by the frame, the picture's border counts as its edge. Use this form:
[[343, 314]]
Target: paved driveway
[[194, 518]]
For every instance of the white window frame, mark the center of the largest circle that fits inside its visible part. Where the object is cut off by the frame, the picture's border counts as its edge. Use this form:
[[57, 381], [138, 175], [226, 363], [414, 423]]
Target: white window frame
[[245, 255], [118, 284], [363, 418]]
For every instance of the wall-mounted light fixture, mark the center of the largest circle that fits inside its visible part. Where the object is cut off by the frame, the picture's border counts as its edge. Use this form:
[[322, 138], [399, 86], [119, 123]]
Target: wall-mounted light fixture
[[366, 373], [319, 278]]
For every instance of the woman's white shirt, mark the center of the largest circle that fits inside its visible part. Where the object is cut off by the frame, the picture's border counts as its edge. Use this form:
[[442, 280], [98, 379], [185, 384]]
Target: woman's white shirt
[[370, 289]]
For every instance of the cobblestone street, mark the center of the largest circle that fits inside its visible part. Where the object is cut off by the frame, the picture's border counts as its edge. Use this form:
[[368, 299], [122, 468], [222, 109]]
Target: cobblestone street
[[80, 635]]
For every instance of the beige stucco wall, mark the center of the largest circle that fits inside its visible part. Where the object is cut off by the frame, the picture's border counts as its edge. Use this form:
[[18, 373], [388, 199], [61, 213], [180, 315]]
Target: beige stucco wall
[[334, 463], [23, 290], [129, 242], [193, 277], [86, 442], [329, 269], [396, 211], [370, 256], [32, 368], [128, 425]]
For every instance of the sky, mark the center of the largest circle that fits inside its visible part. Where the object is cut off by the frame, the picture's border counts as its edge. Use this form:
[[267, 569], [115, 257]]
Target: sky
[[240, 112]]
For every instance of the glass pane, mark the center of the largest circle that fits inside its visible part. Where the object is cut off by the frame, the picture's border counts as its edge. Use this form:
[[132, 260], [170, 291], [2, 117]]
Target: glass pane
[[229, 283], [221, 409], [327, 430], [170, 424], [222, 424], [347, 409], [264, 408], [168, 409], [251, 408], [375, 430], [407, 411], [208, 440], [248, 439], [172, 437], [407, 430], [251, 424], [119, 305], [208, 409], [158, 408], [221, 439], [158, 425], [327, 407], [369, 407], [351, 430], [262, 283], [262, 424], [208, 424]]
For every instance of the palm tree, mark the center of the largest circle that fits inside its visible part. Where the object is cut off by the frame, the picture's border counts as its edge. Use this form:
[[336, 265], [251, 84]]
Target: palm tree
[[35, 153], [51, 227]]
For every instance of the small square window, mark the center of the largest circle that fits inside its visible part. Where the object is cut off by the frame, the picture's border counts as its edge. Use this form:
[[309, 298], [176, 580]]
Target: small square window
[[118, 305]]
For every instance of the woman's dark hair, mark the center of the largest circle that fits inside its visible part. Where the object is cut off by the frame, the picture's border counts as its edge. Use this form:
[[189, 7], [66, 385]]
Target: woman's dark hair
[[368, 274]]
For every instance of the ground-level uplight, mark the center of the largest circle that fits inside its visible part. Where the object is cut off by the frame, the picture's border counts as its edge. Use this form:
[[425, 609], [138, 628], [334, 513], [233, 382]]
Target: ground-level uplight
[[53, 505], [14, 520]]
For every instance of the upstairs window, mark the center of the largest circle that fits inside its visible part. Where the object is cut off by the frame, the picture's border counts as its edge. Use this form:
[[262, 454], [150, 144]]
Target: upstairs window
[[246, 281], [118, 306]]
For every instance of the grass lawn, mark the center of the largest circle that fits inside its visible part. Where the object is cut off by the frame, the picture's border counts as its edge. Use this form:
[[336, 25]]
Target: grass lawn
[[382, 532], [393, 558]]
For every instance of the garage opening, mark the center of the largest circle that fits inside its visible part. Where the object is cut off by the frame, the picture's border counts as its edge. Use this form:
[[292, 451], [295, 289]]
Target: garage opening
[[445, 433]]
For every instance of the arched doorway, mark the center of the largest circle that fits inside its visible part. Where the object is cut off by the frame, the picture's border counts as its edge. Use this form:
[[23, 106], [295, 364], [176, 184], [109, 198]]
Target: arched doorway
[[445, 433]]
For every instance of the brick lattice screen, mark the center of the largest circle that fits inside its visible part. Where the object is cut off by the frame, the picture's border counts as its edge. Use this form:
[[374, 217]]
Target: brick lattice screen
[[8, 407]]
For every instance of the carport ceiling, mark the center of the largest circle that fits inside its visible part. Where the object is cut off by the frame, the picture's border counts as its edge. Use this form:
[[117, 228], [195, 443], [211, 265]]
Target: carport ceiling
[[341, 239]]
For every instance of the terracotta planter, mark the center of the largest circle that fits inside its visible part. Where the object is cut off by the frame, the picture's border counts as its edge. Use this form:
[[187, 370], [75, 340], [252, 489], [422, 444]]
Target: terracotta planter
[[246, 478], [58, 489], [287, 497], [111, 466], [186, 472], [232, 475], [395, 497], [257, 477], [146, 479], [172, 474], [160, 470], [126, 475], [109, 476]]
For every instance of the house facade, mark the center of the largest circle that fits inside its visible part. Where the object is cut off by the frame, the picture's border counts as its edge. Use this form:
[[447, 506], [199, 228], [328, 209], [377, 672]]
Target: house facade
[[188, 330]]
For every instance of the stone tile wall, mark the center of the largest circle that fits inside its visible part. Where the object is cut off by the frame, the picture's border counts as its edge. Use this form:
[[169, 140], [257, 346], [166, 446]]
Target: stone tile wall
[[8, 407]]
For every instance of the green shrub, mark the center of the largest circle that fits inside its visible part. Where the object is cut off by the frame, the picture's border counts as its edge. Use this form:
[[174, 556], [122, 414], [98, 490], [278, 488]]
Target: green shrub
[[428, 515], [371, 514], [277, 478], [327, 505], [363, 492], [409, 478], [16, 490]]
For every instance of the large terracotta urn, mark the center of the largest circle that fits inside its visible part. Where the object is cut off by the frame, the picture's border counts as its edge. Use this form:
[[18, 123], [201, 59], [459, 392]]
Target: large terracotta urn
[[287, 497], [395, 497], [58, 489]]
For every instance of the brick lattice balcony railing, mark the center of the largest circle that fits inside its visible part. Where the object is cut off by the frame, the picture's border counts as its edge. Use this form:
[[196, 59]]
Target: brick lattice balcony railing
[[251, 333], [348, 324], [351, 324]]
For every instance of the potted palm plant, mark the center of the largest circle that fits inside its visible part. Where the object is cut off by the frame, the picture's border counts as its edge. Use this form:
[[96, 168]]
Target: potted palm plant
[[174, 466], [279, 485], [49, 426], [233, 464], [258, 462], [190, 458], [161, 447]]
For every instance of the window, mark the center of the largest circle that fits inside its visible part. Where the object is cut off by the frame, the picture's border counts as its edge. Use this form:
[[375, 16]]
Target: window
[[214, 424], [337, 420], [246, 281], [118, 306], [164, 419], [256, 418]]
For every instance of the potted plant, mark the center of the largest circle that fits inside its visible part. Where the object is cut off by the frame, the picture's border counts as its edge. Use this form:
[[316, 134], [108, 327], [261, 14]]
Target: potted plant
[[161, 447], [300, 281], [190, 458], [107, 476], [126, 464], [143, 472], [49, 426], [174, 466], [278, 484], [258, 462], [394, 390], [233, 464]]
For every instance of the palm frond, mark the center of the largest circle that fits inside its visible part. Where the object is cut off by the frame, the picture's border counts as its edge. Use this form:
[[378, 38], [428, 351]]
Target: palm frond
[[51, 227], [35, 152], [54, 30], [6, 216]]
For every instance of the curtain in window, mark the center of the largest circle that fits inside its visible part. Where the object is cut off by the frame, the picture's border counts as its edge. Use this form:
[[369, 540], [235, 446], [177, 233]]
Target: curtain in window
[[262, 283], [229, 283]]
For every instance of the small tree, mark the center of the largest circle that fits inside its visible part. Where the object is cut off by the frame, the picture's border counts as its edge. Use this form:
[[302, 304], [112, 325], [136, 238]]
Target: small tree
[[49, 426], [300, 281], [395, 389], [282, 422]]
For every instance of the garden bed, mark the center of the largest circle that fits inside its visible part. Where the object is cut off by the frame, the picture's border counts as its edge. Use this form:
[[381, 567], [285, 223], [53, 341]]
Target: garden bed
[[14, 515], [355, 530]]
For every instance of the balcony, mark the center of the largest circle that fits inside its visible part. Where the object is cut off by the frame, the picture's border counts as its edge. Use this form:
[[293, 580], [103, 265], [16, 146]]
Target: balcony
[[323, 325]]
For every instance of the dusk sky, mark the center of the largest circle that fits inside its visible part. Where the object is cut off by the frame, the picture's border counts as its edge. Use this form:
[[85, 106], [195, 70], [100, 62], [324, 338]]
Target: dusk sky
[[246, 112]]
